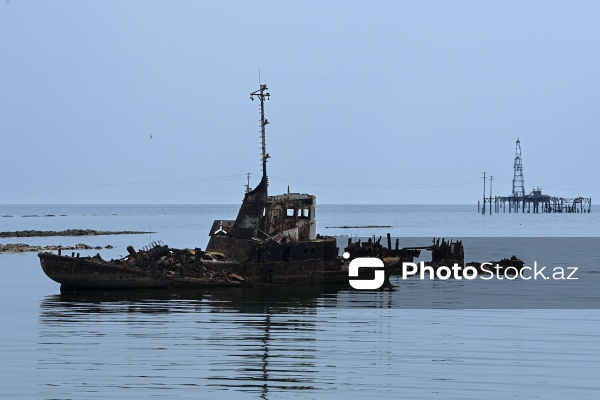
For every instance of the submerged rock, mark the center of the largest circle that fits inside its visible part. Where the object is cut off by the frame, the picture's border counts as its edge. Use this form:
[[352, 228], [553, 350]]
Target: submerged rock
[[18, 248], [22, 247]]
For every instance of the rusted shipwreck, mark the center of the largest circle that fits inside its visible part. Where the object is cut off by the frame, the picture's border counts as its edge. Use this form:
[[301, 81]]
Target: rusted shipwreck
[[273, 240]]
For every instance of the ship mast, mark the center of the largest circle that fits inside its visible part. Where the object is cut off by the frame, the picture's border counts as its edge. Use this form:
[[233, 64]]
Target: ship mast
[[260, 93]]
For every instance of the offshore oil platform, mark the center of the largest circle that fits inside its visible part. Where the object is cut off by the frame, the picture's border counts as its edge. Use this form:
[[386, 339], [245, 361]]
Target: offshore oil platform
[[533, 202]]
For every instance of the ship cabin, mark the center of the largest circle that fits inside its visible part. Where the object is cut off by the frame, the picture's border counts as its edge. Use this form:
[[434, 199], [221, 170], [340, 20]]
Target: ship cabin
[[290, 218], [287, 218], [284, 231]]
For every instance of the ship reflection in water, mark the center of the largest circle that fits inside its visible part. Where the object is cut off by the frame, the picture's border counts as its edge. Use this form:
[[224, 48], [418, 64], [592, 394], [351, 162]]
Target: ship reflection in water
[[257, 340], [307, 342]]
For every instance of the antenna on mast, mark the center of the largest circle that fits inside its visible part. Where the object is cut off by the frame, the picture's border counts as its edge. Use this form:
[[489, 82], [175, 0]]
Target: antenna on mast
[[261, 94], [248, 185]]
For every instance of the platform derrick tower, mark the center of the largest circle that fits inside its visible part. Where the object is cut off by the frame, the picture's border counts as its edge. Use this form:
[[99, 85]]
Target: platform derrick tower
[[533, 202], [518, 182]]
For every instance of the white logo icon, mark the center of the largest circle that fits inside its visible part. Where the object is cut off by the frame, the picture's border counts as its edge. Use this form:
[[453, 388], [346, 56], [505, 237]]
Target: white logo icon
[[366, 262]]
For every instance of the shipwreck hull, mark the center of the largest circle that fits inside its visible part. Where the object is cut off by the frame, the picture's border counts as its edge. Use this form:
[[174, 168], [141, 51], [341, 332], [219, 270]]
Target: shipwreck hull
[[95, 274], [86, 273]]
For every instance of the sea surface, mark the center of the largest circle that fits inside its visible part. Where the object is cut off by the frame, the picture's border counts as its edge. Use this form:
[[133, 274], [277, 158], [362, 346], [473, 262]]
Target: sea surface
[[281, 343]]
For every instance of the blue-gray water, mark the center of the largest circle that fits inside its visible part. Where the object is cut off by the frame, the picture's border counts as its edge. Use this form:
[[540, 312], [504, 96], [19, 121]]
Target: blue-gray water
[[275, 343]]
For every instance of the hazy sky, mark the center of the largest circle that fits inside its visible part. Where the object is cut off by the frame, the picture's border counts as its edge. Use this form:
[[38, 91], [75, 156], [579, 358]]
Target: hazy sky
[[371, 101]]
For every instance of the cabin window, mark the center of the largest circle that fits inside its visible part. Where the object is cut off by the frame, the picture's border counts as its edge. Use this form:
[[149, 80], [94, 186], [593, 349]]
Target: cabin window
[[264, 214], [303, 213], [290, 213]]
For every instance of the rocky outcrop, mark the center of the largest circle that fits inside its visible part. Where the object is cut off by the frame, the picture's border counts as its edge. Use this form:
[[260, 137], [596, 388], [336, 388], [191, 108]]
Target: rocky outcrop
[[18, 248], [68, 232], [22, 247]]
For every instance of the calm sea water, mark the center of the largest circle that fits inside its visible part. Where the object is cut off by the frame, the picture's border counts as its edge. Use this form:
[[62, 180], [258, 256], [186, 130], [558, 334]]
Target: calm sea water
[[273, 343]]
